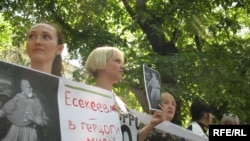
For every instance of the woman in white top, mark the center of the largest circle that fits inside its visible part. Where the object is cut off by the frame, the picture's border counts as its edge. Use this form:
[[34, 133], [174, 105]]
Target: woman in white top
[[106, 65], [202, 117]]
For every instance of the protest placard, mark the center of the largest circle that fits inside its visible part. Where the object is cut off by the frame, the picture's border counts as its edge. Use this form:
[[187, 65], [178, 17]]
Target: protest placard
[[152, 84], [86, 113], [55, 109], [66, 110]]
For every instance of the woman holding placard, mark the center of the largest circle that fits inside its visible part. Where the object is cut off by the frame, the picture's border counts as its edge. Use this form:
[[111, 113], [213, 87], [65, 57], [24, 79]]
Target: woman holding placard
[[106, 65]]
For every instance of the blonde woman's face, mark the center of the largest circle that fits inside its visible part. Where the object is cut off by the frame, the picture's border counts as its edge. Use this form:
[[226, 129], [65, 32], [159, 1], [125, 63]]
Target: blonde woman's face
[[170, 108], [229, 123], [42, 43], [114, 69]]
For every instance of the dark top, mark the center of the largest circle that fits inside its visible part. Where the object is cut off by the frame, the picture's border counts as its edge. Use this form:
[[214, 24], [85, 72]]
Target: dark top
[[157, 135]]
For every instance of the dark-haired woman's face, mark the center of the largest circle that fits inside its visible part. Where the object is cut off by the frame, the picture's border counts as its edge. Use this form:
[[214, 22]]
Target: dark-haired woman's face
[[210, 118], [42, 43]]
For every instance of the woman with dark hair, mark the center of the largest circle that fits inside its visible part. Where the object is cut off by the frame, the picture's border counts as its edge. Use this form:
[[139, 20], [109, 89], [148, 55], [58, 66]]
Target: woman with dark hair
[[44, 47], [202, 117]]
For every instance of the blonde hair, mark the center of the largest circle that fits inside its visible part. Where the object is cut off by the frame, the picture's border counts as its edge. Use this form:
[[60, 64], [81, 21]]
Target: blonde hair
[[166, 96], [98, 58], [230, 119]]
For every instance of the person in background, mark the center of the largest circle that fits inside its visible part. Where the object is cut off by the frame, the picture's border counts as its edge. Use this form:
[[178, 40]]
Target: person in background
[[153, 134], [106, 65], [229, 119], [202, 117], [44, 46]]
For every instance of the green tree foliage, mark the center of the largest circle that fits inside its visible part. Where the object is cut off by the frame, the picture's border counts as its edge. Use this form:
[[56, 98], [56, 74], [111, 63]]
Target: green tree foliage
[[201, 48], [9, 52]]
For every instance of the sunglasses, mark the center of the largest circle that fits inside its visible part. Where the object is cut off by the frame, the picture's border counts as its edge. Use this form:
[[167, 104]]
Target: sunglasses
[[232, 116]]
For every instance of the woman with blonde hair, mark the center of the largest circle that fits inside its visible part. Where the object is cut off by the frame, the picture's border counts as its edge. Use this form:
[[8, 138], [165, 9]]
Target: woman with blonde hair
[[106, 65], [229, 119], [169, 109]]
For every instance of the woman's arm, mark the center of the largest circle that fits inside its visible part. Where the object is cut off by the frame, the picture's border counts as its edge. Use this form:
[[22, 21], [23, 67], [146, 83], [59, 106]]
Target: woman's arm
[[158, 117]]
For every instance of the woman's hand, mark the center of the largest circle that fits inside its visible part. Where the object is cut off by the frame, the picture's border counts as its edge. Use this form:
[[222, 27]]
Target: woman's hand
[[115, 108], [158, 115]]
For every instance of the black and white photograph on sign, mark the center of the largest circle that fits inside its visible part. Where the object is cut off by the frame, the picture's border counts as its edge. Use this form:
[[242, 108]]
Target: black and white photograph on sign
[[28, 105], [153, 87]]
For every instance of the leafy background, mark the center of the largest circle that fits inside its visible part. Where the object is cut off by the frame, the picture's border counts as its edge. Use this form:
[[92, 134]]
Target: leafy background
[[200, 48]]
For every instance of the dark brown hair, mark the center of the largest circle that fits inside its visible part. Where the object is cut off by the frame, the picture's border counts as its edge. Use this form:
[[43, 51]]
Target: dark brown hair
[[57, 67], [198, 107]]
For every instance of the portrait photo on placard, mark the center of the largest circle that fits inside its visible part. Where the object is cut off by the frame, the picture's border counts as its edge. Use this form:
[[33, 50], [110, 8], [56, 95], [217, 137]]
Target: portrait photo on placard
[[28, 105], [152, 84]]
